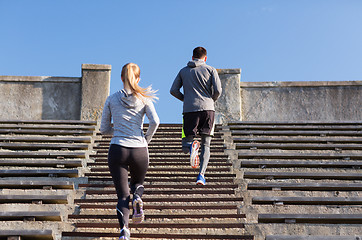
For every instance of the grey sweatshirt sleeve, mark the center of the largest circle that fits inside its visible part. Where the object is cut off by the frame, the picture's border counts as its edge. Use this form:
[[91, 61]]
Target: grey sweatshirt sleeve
[[175, 88], [106, 126], [154, 121], [216, 84]]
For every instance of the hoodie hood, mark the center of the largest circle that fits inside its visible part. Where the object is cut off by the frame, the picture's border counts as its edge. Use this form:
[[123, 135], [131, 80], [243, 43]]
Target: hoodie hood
[[127, 100], [195, 63]]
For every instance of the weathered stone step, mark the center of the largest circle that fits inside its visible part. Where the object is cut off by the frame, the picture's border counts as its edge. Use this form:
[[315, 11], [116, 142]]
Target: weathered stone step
[[42, 154], [47, 126], [311, 237], [39, 173], [27, 234], [164, 163], [53, 122], [33, 139], [295, 123], [156, 179], [100, 204], [61, 163], [303, 175], [311, 218], [279, 127], [307, 200], [166, 185], [302, 164], [166, 169], [34, 184], [86, 234], [306, 186], [185, 200], [30, 216], [162, 225], [297, 133], [291, 146], [343, 156], [38, 199], [47, 132], [168, 191], [290, 139], [162, 216], [173, 175], [33, 146]]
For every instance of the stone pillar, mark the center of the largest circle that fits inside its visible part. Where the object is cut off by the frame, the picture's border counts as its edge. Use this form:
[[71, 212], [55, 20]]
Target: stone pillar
[[96, 80], [228, 106]]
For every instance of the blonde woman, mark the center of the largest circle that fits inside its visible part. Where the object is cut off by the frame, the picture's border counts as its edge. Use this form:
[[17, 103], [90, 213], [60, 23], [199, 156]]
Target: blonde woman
[[128, 149]]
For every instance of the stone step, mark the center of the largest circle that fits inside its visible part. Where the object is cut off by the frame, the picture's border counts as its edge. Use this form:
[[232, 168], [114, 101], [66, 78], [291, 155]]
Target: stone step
[[47, 146], [280, 127], [59, 163], [52, 122], [323, 133], [46, 139], [30, 216], [37, 199], [170, 199], [42, 154], [39, 173], [27, 234], [291, 139], [303, 175], [310, 237], [90, 235], [299, 164], [272, 155], [300, 146], [311, 218], [36, 184], [307, 200], [305, 186]]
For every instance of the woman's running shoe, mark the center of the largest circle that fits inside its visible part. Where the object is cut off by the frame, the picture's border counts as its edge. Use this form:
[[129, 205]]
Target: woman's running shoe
[[125, 234], [200, 180], [194, 154], [138, 214]]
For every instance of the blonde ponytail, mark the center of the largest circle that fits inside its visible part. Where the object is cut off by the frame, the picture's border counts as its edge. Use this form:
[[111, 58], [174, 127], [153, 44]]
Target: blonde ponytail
[[130, 76]]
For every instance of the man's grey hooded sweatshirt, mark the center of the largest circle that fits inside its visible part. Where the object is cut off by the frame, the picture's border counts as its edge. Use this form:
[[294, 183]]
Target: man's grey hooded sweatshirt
[[201, 86], [128, 113]]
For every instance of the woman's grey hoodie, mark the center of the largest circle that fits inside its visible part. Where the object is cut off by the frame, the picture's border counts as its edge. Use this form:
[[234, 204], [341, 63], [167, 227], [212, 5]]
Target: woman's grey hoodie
[[127, 112]]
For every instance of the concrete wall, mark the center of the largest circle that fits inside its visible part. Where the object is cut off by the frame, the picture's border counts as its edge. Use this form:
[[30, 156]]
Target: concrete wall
[[295, 101], [55, 98], [228, 106]]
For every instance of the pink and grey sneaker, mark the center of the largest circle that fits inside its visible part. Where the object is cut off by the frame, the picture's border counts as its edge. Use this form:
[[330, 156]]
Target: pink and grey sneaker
[[138, 214], [194, 154]]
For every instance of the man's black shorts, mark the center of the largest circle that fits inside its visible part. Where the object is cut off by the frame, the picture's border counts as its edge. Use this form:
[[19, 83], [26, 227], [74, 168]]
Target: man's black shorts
[[198, 123]]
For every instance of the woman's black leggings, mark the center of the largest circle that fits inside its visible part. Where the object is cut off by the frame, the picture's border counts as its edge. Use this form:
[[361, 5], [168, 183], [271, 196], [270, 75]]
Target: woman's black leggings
[[120, 160]]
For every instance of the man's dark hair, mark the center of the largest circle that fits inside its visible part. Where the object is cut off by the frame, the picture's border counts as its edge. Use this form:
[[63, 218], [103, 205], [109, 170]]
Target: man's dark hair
[[199, 52]]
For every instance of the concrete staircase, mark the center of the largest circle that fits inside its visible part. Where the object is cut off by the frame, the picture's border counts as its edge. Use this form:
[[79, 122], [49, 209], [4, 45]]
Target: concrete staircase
[[41, 165], [299, 180], [175, 207]]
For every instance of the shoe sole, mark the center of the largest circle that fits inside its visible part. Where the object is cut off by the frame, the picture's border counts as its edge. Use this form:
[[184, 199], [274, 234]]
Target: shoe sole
[[194, 156], [138, 215], [200, 182]]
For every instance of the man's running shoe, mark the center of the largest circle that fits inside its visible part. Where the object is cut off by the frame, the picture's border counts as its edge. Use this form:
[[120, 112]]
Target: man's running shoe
[[194, 154], [200, 180], [138, 214], [125, 234]]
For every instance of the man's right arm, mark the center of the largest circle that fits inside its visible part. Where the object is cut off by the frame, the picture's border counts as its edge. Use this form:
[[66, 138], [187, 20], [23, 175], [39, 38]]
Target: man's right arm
[[175, 88]]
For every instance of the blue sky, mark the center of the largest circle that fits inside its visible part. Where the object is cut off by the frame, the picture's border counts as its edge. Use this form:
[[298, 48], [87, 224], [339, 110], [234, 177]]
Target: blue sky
[[270, 40]]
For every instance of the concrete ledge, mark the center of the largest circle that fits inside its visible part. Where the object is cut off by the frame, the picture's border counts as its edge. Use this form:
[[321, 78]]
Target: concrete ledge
[[40, 79], [229, 71], [96, 66], [309, 237], [28, 234], [300, 84]]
